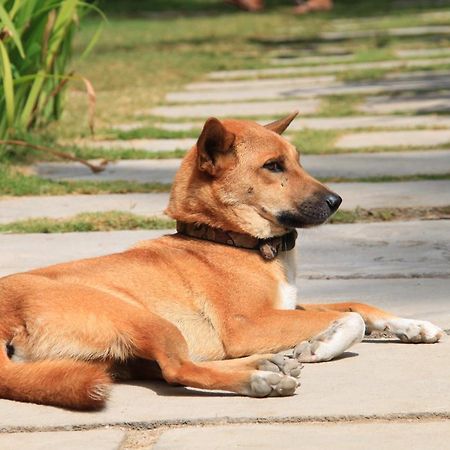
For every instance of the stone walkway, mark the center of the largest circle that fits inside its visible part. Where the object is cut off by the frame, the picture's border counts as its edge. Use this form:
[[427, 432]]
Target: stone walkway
[[346, 165], [379, 387]]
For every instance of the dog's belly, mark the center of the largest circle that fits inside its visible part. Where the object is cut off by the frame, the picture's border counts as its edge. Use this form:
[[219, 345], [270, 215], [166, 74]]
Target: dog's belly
[[198, 326]]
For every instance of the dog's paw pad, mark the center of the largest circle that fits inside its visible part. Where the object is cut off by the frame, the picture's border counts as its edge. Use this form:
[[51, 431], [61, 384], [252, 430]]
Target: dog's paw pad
[[270, 384], [415, 331], [280, 363]]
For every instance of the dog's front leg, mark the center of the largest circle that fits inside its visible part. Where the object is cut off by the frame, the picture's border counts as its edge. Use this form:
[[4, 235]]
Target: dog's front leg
[[316, 336], [375, 319]]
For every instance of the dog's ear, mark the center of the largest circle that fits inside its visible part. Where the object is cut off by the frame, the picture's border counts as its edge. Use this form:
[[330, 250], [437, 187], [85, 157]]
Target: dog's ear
[[280, 125], [214, 141]]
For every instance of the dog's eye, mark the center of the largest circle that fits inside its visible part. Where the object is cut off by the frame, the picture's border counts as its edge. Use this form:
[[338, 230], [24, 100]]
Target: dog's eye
[[274, 166]]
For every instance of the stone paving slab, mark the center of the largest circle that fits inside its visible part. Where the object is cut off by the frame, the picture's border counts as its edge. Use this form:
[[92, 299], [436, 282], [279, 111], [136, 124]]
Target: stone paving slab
[[149, 145], [139, 170], [336, 36], [414, 138], [327, 68], [338, 123], [290, 89], [418, 103], [223, 85], [420, 52], [367, 250], [63, 440], [415, 298], [270, 109], [345, 165], [386, 380], [21, 208], [337, 436]]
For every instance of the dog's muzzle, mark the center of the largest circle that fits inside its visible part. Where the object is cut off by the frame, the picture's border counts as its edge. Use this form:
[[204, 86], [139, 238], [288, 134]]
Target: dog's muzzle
[[313, 211]]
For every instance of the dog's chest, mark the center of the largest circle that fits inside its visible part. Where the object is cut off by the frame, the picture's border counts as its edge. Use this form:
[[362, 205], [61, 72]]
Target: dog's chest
[[287, 289]]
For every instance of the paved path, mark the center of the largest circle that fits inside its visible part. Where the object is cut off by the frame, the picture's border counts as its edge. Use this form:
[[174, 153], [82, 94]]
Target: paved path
[[63, 440], [254, 109], [330, 123], [280, 89], [328, 68], [338, 436], [22, 208], [420, 104], [347, 165], [374, 250], [414, 138], [410, 194]]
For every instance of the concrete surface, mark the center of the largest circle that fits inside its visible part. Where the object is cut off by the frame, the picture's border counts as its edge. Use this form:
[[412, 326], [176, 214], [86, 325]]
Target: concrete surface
[[334, 123], [410, 138], [346, 165], [21, 208], [419, 52], [421, 104], [63, 440], [327, 68], [371, 250], [335, 436], [253, 109], [289, 88], [388, 380], [365, 195]]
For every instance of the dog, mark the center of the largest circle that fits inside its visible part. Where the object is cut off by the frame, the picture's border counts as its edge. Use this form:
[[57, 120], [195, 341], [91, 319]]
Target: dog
[[210, 307]]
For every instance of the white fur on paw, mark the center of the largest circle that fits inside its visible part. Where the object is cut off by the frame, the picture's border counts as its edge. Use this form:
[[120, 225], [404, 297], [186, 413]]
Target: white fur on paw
[[270, 384], [337, 338], [415, 331]]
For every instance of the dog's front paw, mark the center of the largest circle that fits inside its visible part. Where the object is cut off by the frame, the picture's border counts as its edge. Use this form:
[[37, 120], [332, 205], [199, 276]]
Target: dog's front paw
[[277, 376], [415, 331]]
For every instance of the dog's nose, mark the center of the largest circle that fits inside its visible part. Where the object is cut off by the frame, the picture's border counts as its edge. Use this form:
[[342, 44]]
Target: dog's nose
[[333, 201]]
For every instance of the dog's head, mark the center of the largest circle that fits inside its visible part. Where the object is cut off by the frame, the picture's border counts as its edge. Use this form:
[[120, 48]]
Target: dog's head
[[245, 177]]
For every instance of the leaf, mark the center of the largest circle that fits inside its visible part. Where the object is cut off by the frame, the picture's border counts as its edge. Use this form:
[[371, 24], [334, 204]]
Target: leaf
[[8, 86], [7, 22]]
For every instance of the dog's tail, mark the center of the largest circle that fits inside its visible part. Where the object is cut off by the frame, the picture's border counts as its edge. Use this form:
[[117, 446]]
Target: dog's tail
[[67, 383]]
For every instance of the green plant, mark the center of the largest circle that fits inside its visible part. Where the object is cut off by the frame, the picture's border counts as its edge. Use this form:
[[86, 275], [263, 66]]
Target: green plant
[[35, 49]]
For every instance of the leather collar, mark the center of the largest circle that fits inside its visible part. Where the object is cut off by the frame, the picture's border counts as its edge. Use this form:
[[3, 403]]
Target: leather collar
[[268, 248]]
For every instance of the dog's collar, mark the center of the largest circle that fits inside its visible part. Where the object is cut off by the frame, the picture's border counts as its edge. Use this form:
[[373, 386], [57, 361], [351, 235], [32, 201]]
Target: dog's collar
[[268, 248]]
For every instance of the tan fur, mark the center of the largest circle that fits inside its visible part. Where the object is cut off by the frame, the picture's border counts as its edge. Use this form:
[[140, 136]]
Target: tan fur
[[190, 305]]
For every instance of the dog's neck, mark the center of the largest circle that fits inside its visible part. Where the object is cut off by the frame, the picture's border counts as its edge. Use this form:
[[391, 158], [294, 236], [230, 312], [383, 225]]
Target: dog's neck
[[268, 248]]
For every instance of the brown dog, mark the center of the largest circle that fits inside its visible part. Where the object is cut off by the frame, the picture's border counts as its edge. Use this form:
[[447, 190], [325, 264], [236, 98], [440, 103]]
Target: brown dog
[[210, 304]]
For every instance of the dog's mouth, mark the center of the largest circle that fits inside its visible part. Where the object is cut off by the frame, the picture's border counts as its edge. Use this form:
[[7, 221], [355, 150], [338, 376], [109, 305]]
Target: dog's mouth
[[310, 212]]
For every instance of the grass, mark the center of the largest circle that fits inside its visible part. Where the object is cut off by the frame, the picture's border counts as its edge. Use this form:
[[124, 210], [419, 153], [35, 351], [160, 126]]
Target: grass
[[390, 214], [117, 220], [107, 221]]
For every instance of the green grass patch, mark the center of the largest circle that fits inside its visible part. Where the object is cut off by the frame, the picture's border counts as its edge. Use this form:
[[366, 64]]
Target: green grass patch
[[117, 220], [155, 133], [106, 221], [388, 178], [118, 154], [312, 142], [15, 183], [339, 105], [390, 214]]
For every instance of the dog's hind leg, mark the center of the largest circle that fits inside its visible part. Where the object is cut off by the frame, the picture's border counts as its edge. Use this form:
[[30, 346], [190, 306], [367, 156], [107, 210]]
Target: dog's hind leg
[[154, 338], [375, 319]]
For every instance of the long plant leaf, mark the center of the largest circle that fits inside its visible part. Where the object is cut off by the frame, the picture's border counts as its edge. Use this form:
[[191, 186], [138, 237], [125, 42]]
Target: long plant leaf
[[8, 85], [7, 22]]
